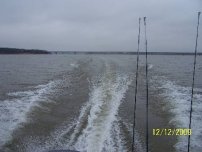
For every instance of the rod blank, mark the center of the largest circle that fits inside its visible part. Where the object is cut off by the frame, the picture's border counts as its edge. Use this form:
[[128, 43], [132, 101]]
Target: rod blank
[[136, 78], [147, 89], [192, 90]]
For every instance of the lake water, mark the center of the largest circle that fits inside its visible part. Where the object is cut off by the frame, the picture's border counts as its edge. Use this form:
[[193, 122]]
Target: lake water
[[85, 102]]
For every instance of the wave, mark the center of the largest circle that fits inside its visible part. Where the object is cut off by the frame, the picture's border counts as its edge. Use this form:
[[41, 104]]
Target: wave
[[13, 112], [179, 98], [150, 66], [74, 65]]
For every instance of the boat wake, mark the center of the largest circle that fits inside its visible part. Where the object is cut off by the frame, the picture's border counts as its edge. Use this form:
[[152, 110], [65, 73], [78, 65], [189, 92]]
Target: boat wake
[[178, 100], [98, 127], [13, 111]]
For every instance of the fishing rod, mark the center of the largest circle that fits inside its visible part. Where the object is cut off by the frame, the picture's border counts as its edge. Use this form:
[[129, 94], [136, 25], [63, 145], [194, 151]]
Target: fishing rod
[[147, 89], [134, 115], [192, 90]]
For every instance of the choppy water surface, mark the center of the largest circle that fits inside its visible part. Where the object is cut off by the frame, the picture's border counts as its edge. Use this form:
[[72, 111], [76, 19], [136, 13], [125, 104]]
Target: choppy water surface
[[85, 103]]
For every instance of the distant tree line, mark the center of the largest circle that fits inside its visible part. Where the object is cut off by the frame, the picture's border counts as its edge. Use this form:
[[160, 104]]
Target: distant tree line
[[22, 51]]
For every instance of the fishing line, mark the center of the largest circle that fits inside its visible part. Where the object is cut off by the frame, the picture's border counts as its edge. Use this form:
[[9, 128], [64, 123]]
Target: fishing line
[[134, 115], [147, 89], [192, 90]]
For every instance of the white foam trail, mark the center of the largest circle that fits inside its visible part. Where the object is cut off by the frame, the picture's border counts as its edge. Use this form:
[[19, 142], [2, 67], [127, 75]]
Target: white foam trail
[[179, 104], [96, 128], [105, 99], [13, 112], [59, 139]]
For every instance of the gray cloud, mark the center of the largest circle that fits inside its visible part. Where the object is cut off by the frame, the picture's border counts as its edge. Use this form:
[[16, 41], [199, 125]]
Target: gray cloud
[[98, 25]]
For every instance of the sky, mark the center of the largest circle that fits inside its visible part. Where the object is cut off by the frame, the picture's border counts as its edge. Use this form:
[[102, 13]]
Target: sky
[[99, 25]]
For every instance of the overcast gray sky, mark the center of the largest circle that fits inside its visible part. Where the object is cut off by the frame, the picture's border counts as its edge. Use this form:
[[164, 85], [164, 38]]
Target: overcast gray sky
[[99, 25]]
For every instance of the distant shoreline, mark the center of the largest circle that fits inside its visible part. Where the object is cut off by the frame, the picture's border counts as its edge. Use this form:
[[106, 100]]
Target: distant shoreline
[[126, 53], [22, 51], [36, 51]]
